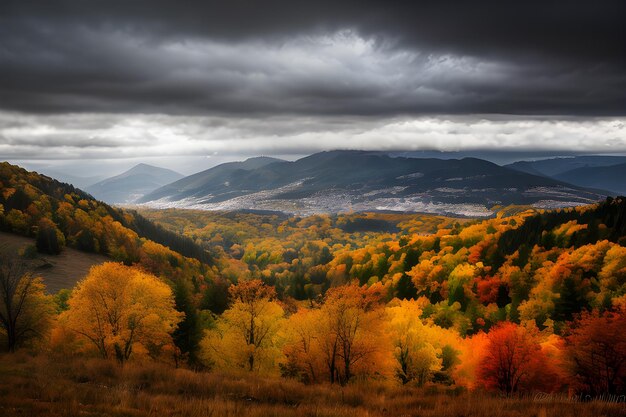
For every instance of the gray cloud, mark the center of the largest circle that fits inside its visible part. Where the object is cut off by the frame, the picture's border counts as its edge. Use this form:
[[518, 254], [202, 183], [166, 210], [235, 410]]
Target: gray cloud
[[316, 58], [132, 136]]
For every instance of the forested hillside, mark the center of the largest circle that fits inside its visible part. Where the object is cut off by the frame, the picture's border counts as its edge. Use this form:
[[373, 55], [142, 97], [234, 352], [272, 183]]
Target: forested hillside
[[58, 215], [409, 299]]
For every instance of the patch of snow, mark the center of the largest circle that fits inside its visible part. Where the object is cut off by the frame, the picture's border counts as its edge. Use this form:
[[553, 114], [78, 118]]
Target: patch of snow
[[410, 176], [553, 204], [450, 190]]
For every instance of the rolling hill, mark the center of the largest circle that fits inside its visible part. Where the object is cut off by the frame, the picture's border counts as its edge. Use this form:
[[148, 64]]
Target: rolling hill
[[30, 202], [196, 183], [341, 181], [132, 184]]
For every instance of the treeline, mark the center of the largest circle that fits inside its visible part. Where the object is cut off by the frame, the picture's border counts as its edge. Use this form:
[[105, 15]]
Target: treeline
[[352, 333], [175, 241], [605, 221]]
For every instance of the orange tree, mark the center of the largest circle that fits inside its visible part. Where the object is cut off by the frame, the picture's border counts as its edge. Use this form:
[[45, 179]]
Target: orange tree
[[353, 336]]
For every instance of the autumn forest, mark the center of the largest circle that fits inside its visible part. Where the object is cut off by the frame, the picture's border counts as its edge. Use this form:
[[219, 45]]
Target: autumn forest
[[259, 313]]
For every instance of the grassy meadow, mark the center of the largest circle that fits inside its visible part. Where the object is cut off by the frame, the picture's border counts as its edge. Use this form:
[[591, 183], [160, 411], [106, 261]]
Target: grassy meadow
[[51, 387]]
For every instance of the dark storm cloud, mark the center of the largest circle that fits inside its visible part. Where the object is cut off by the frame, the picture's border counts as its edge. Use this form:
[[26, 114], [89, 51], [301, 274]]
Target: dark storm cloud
[[574, 28], [317, 57]]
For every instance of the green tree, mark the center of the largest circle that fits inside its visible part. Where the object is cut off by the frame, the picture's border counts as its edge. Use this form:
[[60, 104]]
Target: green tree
[[188, 334], [49, 239]]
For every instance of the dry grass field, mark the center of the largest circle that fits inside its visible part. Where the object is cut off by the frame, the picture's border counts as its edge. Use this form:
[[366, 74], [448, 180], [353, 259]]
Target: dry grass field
[[43, 386]]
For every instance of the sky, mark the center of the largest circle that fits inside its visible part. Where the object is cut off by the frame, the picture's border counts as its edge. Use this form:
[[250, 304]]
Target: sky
[[92, 87]]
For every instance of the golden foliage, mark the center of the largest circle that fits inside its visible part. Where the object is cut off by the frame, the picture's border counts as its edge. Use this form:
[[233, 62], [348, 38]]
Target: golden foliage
[[246, 335], [120, 310]]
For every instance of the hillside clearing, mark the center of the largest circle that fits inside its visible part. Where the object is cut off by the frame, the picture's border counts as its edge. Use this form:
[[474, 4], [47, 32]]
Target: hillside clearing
[[58, 271]]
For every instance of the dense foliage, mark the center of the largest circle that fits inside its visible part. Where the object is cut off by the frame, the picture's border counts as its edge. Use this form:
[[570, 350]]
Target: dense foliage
[[452, 302], [565, 261], [120, 310]]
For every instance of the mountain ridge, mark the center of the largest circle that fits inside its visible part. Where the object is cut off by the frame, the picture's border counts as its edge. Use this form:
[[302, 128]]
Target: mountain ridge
[[339, 181], [589, 171], [211, 174], [552, 167], [611, 177]]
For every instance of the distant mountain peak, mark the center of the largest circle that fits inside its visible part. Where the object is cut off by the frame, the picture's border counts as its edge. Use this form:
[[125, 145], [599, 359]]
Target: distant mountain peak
[[143, 165], [264, 158], [553, 167], [147, 168], [132, 184]]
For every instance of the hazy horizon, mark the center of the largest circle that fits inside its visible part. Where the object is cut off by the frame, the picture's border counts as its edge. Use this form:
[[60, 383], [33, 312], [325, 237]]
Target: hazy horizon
[[99, 169]]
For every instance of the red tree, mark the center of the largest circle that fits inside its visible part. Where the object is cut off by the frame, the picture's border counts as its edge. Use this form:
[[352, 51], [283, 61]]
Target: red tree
[[596, 347], [514, 361]]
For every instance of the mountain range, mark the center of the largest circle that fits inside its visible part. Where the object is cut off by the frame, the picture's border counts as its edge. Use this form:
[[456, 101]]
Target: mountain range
[[341, 181]]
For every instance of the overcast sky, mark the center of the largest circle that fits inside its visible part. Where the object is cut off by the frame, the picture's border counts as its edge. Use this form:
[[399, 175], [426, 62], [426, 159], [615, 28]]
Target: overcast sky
[[189, 84]]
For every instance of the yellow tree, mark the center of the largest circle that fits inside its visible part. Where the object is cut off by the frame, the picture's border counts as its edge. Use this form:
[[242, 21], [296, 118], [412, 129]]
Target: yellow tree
[[303, 334], [417, 347], [120, 308], [612, 276], [246, 335], [25, 309]]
